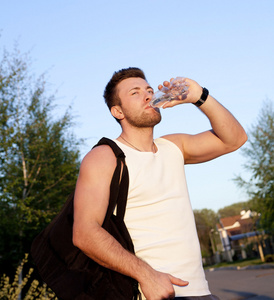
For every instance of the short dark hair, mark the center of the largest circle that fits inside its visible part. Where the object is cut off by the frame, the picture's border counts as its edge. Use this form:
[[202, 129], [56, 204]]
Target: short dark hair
[[110, 93]]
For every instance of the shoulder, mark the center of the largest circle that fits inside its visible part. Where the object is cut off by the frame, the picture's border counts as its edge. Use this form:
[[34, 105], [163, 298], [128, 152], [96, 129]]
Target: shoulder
[[178, 139], [99, 159], [93, 186]]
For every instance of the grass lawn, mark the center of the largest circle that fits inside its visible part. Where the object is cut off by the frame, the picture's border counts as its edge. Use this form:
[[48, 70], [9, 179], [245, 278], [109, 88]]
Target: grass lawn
[[239, 263]]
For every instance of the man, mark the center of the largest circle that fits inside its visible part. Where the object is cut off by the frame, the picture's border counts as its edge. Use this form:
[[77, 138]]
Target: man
[[158, 216]]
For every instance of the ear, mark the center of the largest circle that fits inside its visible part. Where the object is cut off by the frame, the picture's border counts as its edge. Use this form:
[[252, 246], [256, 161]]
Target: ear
[[117, 112]]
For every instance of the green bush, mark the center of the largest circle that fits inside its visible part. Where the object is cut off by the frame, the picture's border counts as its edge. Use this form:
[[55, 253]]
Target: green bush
[[11, 290], [269, 258]]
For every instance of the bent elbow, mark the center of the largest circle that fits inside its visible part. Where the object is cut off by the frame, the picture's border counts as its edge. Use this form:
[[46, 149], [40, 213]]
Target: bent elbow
[[76, 237], [81, 235], [75, 241], [243, 138], [239, 141]]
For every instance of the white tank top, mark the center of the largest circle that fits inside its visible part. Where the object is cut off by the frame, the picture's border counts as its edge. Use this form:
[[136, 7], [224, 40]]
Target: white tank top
[[159, 215]]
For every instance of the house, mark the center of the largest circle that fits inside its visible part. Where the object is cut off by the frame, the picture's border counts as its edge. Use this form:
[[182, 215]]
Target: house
[[236, 232]]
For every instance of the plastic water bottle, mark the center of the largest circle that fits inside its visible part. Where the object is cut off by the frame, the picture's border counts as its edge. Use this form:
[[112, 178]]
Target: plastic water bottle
[[178, 87]]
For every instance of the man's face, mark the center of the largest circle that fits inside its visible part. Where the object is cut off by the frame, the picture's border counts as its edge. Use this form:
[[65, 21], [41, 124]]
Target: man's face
[[135, 94]]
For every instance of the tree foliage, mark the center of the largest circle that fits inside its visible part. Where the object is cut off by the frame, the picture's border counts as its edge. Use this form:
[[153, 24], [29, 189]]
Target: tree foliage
[[39, 157], [206, 220], [234, 209], [13, 290], [259, 151]]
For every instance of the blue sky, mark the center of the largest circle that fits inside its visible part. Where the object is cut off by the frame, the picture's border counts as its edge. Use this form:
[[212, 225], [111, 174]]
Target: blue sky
[[227, 46]]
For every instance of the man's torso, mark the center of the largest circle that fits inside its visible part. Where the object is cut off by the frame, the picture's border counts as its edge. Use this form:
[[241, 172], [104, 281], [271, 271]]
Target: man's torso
[[159, 216]]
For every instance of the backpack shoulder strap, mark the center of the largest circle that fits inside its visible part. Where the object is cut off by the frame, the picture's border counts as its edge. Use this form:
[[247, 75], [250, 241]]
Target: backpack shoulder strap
[[115, 148], [119, 183]]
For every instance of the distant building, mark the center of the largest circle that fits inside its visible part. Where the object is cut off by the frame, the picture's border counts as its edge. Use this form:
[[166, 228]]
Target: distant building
[[236, 232]]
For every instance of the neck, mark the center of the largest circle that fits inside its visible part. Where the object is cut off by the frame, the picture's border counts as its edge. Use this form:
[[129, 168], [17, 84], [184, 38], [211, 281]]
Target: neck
[[141, 141]]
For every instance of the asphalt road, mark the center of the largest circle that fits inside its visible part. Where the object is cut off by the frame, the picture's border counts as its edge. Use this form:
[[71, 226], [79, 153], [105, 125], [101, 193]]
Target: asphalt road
[[253, 284]]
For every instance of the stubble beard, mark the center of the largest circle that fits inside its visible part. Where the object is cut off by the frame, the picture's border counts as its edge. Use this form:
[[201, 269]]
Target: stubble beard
[[144, 120]]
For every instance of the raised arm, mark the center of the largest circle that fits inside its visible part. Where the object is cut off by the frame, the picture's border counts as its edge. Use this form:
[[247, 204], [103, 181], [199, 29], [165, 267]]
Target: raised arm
[[226, 134], [90, 206]]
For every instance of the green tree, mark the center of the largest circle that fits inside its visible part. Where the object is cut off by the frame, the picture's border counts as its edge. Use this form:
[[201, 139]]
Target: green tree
[[23, 288], [206, 220], [234, 209], [39, 157], [259, 151]]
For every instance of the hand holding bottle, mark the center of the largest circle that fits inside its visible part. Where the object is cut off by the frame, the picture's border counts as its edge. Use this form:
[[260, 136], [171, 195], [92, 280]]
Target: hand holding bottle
[[177, 88]]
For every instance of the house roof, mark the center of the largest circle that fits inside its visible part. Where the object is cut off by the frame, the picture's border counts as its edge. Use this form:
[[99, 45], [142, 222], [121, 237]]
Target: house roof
[[230, 221], [236, 224], [246, 221]]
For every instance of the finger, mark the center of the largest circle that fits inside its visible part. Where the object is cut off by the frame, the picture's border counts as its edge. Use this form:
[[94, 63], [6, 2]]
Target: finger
[[171, 103], [166, 83], [178, 281], [163, 89], [166, 105]]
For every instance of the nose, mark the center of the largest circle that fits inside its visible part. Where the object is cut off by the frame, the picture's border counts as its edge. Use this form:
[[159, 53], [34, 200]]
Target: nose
[[148, 96]]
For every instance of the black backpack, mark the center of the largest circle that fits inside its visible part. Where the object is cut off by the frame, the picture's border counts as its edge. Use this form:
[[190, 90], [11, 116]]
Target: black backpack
[[66, 269]]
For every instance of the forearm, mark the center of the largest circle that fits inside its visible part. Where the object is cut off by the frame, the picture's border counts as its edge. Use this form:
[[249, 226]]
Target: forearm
[[224, 124], [228, 130], [103, 248]]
